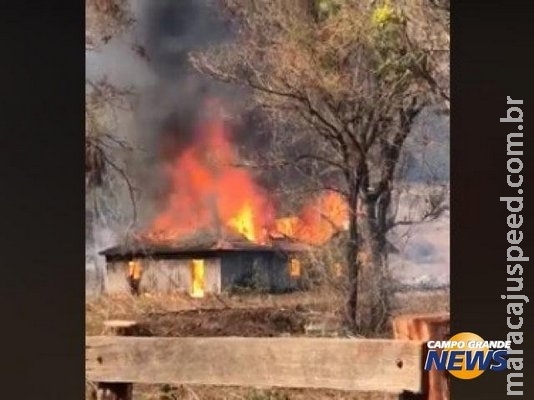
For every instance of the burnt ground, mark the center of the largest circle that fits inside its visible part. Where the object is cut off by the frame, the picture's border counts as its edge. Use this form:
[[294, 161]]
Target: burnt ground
[[247, 322]]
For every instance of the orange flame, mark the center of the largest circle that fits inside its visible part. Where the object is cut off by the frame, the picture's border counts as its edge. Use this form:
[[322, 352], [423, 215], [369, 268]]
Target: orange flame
[[318, 221], [208, 189], [244, 223], [197, 287]]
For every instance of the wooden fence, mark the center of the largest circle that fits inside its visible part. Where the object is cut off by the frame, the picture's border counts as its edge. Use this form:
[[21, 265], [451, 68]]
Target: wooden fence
[[386, 365]]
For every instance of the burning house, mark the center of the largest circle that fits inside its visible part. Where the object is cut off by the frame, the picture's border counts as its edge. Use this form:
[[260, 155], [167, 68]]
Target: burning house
[[216, 227], [206, 263]]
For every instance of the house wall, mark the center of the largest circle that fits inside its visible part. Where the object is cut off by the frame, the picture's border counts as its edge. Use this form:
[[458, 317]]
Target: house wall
[[163, 276], [279, 274], [259, 270], [262, 271], [116, 281], [244, 270]]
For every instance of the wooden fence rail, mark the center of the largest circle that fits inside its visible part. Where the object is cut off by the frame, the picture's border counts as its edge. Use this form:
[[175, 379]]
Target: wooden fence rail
[[347, 364], [386, 365]]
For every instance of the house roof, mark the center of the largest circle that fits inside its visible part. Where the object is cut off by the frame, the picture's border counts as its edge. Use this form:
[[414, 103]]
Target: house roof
[[201, 241]]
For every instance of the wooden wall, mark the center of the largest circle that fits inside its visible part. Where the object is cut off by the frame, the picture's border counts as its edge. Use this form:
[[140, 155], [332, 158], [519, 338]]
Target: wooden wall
[[163, 276], [266, 271]]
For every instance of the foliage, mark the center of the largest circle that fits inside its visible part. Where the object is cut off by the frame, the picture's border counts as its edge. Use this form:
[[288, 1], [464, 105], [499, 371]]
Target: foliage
[[383, 15]]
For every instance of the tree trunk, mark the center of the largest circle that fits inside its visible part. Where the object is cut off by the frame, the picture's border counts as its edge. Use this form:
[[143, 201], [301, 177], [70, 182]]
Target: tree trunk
[[352, 253], [371, 309], [97, 245], [367, 305]]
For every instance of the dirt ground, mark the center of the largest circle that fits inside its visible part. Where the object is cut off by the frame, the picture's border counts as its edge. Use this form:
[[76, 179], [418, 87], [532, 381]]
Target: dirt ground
[[298, 314], [224, 315], [241, 315], [254, 322]]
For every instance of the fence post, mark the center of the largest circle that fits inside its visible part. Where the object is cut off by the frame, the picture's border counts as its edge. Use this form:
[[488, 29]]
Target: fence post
[[117, 391], [426, 327]]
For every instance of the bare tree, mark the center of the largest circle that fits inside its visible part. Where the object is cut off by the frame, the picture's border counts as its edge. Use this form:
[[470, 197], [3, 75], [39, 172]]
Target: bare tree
[[105, 172], [428, 31], [105, 19], [350, 77]]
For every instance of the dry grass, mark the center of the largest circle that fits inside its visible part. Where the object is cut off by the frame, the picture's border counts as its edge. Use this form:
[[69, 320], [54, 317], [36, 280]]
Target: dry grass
[[103, 308], [327, 302], [420, 302]]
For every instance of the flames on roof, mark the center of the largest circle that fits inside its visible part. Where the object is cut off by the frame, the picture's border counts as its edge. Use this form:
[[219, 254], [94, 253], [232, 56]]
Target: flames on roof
[[212, 204], [204, 241]]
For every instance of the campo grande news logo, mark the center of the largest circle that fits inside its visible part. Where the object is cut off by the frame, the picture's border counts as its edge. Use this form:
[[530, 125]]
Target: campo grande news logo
[[466, 355]]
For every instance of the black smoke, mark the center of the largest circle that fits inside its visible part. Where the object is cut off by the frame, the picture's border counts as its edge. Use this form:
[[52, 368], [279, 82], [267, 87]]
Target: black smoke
[[168, 111]]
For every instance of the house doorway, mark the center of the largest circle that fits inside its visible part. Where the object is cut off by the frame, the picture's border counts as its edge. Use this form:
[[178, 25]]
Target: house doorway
[[197, 275]]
